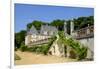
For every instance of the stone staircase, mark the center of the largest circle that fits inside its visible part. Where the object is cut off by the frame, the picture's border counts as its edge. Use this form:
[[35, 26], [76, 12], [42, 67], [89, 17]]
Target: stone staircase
[[54, 49]]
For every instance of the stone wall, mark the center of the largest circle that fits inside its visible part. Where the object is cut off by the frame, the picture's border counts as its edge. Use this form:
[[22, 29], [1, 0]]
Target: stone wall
[[89, 42]]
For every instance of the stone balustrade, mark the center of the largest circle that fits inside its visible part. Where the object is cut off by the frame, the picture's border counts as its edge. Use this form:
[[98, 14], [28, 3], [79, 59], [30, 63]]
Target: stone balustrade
[[84, 32]]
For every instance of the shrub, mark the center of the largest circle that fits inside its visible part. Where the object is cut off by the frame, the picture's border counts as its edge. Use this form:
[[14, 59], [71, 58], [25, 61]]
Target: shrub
[[82, 53], [32, 49], [23, 48], [72, 54], [38, 50]]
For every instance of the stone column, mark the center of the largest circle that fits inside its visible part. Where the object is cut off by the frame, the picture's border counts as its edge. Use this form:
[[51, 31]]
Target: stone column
[[88, 30], [65, 27], [68, 51], [71, 27]]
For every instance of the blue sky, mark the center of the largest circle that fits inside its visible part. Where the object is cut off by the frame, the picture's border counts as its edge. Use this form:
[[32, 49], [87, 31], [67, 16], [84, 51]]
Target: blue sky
[[25, 13]]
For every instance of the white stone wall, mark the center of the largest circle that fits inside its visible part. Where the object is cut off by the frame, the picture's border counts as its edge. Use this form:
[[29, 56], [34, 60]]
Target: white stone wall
[[89, 42], [34, 38], [27, 40]]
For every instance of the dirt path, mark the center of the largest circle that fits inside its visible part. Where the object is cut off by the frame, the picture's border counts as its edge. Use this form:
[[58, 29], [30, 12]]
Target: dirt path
[[32, 58]]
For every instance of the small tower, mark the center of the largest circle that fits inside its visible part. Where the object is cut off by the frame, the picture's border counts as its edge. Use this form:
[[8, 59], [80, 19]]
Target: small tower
[[71, 27]]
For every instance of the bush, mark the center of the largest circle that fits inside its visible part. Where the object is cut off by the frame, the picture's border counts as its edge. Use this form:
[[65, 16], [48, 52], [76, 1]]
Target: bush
[[32, 49], [39, 49], [72, 54], [45, 49], [82, 53], [23, 48]]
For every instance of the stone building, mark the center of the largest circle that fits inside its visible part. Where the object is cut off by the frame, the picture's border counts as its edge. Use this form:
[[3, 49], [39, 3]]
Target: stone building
[[35, 37]]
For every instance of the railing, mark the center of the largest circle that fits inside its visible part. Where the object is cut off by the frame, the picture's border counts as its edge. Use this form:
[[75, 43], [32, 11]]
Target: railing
[[84, 32], [40, 42]]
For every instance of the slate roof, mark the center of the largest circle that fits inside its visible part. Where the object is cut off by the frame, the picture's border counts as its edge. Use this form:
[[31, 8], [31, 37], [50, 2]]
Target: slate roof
[[43, 28], [32, 30], [48, 29]]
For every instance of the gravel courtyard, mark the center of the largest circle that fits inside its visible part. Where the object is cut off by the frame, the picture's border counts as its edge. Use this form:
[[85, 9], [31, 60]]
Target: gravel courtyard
[[33, 58]]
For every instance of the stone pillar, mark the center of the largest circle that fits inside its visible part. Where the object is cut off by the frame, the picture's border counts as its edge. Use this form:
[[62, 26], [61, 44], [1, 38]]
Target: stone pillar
[[65, 27], [71, 27], [90, 54], [88, 30]]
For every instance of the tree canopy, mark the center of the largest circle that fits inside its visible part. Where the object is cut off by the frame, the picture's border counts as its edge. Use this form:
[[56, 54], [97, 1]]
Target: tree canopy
[[36, 24], [82, 22], [79, 23], [19, 38]]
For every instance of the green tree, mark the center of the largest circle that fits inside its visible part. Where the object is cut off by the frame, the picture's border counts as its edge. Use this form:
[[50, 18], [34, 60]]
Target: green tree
[[36, 24], [19, 38], [82, 22], [58, 23]]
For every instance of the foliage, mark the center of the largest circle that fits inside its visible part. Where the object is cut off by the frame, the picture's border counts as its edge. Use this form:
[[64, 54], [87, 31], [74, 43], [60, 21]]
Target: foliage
[[19, 38], [80, 50], [36, 24], [58, 23], [79, 23], [82, 22], [44, 49], [73, 54], [39, 49], [32, 49], [23, 47], [83, 53]]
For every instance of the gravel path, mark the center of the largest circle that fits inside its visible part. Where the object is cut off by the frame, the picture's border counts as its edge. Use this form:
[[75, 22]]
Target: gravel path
[[32, 58]]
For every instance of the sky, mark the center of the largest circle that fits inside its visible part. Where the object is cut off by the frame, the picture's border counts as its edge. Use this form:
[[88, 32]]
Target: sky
[[26, 13]]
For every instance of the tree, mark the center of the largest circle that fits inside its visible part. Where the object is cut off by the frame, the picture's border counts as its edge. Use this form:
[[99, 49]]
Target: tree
[[82, 22], [19, 38], [58, 23], [36, 24]]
